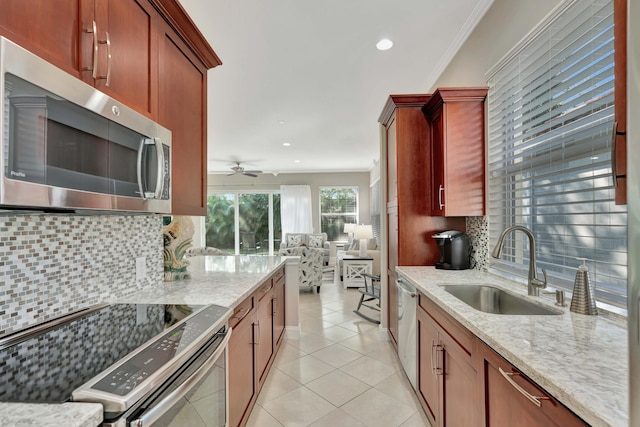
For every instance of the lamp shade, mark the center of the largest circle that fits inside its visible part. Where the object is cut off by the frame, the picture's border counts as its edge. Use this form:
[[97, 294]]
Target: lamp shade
[[363, 232], [348, 228]]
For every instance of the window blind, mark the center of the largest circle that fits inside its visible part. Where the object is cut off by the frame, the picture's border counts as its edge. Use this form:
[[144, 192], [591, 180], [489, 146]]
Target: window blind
[[550, 122]]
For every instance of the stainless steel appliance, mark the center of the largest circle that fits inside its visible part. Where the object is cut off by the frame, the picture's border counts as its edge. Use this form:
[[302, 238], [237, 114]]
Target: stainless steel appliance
[[66, 145], [146, 364], [407, 339], [455, 250]]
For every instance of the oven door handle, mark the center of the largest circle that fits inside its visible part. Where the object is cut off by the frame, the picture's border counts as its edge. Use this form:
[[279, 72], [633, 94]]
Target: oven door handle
[[155, 413]]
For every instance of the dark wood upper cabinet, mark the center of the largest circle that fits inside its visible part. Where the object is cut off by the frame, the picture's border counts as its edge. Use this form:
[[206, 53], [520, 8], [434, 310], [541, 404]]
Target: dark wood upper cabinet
[[126, 58], [456, 117], [620, 99], [183, 110], [50, 29]]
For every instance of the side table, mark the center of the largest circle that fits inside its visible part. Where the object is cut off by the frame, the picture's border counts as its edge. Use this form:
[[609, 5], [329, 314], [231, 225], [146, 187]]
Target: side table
[[353, 267]]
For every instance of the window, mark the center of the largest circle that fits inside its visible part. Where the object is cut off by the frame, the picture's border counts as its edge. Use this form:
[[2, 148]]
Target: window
[[550, 114], [338, 206]]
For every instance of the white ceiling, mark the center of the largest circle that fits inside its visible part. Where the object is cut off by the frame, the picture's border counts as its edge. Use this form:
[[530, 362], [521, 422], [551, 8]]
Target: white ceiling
[[314, 66]]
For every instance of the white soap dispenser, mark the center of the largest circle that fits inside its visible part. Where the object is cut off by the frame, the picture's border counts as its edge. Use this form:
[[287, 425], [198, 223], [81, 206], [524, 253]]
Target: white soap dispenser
[[583, 300]]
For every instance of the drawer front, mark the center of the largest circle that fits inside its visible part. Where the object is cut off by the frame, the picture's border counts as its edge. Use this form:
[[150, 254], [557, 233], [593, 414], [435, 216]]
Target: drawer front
[[241, 312], [264, 289], [278, 275], [458, 334]]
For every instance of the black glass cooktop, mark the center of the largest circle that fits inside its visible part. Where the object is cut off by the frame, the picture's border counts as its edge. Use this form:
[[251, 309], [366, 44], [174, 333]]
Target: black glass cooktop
[[48, 367]]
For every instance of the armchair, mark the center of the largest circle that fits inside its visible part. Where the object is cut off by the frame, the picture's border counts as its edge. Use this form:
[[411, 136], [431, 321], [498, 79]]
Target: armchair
[[310, 267]]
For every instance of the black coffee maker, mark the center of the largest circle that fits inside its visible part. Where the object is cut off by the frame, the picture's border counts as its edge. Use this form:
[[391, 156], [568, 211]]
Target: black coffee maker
[[455, 250]]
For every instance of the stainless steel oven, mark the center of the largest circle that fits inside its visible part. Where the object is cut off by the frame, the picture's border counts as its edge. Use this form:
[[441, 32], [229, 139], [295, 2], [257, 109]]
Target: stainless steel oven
[[148, 365], [66, 145]]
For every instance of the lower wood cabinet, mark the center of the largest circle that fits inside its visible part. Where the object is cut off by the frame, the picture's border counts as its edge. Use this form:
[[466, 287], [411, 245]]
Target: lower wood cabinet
[[258, 330], [278, 309], [446, 378], [462, 382], [243, 388], [512, 399], [264, 334]]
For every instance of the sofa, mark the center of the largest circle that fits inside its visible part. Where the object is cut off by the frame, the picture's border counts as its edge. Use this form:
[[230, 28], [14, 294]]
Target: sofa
[[373, 251], [311, 240]]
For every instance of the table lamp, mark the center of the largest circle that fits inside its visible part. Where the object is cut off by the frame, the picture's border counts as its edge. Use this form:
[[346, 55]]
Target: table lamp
[[348, 228], [363, 233]]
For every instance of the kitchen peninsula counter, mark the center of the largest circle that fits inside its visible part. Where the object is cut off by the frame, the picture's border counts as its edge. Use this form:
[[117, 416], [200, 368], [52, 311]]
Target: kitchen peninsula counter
[[221, 280], [580, 360]]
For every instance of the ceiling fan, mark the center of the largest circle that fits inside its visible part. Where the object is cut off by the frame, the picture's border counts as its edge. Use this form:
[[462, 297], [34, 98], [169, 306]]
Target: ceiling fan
[[237, 169]]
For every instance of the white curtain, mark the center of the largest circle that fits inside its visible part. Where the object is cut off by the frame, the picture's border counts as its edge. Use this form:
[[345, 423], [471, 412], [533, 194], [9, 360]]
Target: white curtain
[[295, 209]]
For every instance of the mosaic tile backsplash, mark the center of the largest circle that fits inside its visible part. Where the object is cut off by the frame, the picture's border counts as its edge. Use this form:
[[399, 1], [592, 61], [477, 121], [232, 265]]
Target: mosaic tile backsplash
[[478, 231], [54, 264]]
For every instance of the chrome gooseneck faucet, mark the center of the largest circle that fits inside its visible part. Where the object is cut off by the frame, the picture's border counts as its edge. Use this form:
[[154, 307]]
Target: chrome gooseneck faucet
[[533, 284]]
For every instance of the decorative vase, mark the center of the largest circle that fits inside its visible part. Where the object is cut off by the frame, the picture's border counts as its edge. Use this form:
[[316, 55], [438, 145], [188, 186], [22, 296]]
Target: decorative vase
[[178, 237]]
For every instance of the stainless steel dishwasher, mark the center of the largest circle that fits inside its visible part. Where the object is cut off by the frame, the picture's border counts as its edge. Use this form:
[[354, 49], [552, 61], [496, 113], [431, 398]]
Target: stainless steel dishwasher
[[407, 328]]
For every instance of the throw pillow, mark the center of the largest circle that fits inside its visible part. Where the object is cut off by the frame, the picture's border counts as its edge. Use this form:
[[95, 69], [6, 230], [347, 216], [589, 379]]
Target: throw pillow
[[372, 244], [355, 245], [316, 240], [294, 239]]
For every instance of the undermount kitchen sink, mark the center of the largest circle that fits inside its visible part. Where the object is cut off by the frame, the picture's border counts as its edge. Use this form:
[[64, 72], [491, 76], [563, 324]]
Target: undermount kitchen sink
[[490, 299]]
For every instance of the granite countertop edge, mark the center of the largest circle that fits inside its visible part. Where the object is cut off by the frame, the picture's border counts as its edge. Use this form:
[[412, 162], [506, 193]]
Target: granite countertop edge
[[575, 358]]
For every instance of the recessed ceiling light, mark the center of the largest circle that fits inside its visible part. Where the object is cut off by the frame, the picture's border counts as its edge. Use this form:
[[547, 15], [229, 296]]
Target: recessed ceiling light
[[281, 122], [296, 161], [384, 44], [286, 144]]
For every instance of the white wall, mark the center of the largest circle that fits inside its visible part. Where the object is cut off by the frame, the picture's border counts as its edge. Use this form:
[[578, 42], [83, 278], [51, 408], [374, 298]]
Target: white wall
[[220, 182], [503, 26]]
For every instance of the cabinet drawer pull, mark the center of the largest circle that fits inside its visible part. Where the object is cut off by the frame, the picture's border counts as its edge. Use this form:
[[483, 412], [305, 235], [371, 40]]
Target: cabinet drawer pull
[[440, 192], [533, 399], [241, 314]]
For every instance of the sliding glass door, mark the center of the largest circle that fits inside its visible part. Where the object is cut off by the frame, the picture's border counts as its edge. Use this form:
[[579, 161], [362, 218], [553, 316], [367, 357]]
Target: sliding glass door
[[244, 223]]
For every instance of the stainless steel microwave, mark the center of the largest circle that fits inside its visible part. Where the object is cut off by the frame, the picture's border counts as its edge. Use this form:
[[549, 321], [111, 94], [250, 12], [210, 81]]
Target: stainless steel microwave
[[66, 145]]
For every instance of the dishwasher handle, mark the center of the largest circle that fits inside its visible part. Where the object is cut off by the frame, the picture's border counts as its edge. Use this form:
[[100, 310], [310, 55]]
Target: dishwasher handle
[[406, 288]]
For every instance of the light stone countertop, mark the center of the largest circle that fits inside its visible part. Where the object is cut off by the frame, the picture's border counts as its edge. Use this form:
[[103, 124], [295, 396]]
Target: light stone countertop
[[580, 360], [50, 415], [221, 280]]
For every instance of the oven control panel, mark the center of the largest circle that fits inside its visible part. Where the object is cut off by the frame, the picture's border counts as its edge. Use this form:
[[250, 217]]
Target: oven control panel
[[123, 378]]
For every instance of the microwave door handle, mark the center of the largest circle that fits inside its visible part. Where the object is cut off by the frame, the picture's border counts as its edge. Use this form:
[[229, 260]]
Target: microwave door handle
[[155, 413], [160, 157], [139, 168]]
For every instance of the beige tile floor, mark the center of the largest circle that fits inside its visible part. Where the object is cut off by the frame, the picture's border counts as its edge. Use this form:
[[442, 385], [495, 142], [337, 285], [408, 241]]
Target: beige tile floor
[[340, 373]]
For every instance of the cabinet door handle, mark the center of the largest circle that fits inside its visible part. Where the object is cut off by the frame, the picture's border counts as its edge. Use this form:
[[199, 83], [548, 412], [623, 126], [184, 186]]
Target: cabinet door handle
[[435, 348], [275, 306], [257, 340], [440, 193], [94, 57], [108, 43], [533, 399]]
